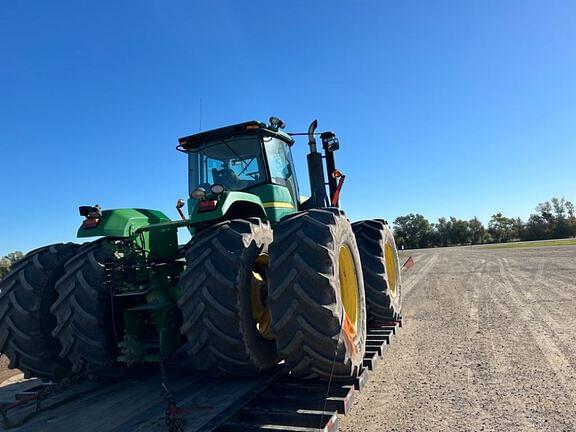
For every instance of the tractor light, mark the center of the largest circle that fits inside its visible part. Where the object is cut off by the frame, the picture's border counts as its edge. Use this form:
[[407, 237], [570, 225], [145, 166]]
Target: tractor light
[[92, 215], [90, 223], [217, 189], [276, 123], [207, 205], [199, 193]]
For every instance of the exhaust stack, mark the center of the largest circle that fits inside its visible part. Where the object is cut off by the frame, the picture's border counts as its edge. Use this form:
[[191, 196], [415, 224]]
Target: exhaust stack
[[316, 171]]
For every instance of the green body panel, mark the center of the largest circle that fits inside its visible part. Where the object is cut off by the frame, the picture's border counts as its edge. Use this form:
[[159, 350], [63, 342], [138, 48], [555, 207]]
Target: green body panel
[[146, 295], [123, 222], [225, 202], [161, 242], [274, 200], [157, 319]]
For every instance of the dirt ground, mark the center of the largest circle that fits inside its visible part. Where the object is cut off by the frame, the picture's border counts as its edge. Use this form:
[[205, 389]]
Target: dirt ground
[[489, 344], [6, 373]]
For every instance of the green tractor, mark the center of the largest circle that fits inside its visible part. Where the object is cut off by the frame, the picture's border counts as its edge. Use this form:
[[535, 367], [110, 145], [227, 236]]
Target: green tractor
[[267, 276]]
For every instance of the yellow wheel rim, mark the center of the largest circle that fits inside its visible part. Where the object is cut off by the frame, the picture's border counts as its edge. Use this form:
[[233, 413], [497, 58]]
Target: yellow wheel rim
[[349, 285], [391, 269], [258, 295]]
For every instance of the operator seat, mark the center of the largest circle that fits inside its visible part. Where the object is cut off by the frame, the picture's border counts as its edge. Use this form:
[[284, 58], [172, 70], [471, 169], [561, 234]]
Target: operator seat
[[226, 177]]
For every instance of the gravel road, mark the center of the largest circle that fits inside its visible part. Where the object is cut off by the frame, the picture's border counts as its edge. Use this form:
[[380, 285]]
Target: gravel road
[[489, 344]]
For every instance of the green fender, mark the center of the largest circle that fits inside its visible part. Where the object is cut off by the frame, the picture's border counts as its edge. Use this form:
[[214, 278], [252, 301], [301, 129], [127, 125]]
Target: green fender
[[162, 241], [227, 202], [268, 201]]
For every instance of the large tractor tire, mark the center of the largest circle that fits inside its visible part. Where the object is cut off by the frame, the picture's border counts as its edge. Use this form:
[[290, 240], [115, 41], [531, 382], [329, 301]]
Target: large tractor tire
[[380, 268], [317, 295], [223, 299], [26, 294], [84, 313]]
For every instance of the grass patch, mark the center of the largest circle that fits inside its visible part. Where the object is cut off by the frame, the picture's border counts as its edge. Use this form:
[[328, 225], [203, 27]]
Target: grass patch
[[543, 243]]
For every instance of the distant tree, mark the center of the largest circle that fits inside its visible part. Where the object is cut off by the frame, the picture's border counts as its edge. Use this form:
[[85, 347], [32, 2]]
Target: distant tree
[[459, 233], [553, 219], [6, 262], [442, 232], [561, 228], [571, 218], [477, 231], [412, 231], [500, 228], [536, 228], [518, 228], [546, 212]]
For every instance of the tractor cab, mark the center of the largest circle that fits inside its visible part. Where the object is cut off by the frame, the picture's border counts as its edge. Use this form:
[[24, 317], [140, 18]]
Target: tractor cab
[[252, 158]]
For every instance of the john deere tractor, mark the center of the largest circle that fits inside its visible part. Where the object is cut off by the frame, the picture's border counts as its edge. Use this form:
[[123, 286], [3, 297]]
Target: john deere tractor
[[267, 276]]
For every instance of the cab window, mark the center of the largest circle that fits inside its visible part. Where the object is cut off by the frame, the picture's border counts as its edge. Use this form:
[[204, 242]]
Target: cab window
[[236, 163], [280, 165]]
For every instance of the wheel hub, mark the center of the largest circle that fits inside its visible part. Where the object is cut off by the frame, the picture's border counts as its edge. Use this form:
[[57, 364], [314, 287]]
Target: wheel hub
[[259, 295], [391, 269], [348, 285]]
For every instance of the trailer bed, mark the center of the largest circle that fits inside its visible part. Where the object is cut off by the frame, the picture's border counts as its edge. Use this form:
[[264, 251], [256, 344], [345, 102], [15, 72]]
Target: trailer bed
[[272, 401]]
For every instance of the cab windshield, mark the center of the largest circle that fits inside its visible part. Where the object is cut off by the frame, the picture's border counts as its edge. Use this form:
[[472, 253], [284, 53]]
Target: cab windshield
[[235, 163]]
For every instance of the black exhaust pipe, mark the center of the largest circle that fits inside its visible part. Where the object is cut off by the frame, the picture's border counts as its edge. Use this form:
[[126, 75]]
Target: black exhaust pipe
[[318, 198], [330, 144]]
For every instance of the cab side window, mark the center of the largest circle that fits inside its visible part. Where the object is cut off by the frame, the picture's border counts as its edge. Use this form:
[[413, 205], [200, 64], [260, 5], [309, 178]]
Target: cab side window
[[280, 164]]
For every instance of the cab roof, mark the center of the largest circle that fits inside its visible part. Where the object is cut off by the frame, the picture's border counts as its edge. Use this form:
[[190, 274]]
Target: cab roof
[[253, 127]]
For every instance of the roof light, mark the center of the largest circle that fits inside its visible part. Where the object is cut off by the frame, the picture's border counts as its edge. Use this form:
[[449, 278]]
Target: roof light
[[276, 123]]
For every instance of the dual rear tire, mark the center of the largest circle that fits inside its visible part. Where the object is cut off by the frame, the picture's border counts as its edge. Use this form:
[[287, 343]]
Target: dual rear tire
[[223, 295], [26, 294], [309, 310], [83, 310], [317, 295], [380, 268], [55, 312]]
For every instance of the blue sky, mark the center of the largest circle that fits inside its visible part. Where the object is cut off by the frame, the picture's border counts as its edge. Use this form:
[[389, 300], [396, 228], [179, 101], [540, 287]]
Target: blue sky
[[460, 108]]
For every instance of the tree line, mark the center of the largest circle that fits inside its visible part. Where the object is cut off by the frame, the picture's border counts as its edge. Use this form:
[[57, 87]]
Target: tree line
[[552, 219]]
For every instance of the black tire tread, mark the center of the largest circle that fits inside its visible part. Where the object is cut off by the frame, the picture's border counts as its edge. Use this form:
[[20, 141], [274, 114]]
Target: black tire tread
[[84, 313], [26, 294], [214, 318], [370, 237], [306, 318]]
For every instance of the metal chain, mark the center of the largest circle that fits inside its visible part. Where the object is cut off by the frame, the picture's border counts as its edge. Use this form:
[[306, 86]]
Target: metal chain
[[50, 389], [173, 421], [60, 387]]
